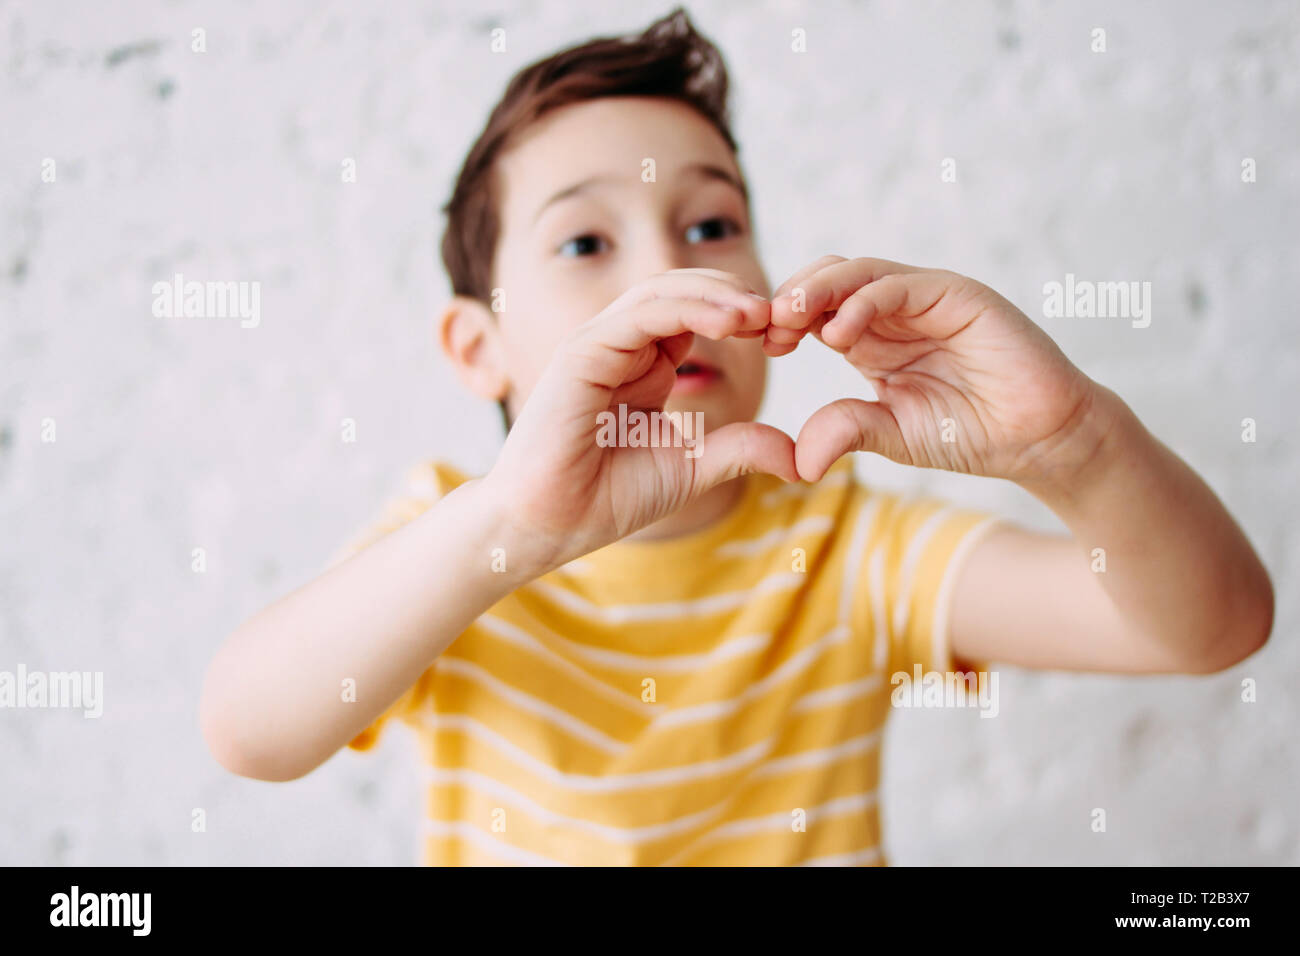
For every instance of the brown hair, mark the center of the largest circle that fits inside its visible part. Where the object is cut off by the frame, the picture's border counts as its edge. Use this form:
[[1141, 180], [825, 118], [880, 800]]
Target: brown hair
[[668, 59]]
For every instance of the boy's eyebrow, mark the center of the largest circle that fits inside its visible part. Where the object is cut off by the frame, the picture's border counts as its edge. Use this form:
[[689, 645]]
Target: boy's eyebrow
[[707, 170]]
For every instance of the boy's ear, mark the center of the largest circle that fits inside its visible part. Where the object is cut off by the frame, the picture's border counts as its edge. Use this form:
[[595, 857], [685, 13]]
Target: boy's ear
[[468, 333]]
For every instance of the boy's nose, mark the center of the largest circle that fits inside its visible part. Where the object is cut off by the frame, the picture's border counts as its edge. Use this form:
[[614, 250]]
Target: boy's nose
[[664, 255]]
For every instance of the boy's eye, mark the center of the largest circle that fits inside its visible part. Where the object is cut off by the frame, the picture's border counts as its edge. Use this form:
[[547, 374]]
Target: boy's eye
[[719, 227], [584, 245]]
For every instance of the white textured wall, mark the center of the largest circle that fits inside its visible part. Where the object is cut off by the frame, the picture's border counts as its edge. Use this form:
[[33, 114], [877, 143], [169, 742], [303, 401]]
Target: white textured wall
[[174, 434]]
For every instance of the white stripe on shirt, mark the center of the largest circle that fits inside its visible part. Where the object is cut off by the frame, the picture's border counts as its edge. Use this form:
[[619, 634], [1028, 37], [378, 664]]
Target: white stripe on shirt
[[720, 708], [751, 546], [667, 610]]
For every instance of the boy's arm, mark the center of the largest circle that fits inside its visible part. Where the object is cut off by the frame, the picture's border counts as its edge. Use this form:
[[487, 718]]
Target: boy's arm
[[1175, 586], [965, 382], [272, 705]]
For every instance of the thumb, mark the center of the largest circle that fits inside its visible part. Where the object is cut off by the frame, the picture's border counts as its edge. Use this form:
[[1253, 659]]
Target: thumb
[[743, 448], [846, 425]]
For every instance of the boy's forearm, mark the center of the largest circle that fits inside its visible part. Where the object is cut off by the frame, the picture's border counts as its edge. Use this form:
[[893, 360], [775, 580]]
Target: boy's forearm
[[273, 701], [1177, 566]]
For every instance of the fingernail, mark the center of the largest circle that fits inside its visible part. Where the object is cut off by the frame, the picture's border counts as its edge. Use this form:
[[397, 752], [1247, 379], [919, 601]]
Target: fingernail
[[760, 298]]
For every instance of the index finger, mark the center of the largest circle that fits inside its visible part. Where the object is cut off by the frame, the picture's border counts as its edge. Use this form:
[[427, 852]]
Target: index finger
[[713, 285], [634, 321], [815, 266], [825, 289]]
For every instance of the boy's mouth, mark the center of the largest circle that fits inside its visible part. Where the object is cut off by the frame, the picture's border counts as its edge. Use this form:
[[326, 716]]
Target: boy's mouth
[[695, 375]]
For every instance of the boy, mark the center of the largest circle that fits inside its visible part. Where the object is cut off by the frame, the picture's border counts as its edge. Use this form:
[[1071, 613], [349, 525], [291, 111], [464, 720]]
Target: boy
[[667, 652]]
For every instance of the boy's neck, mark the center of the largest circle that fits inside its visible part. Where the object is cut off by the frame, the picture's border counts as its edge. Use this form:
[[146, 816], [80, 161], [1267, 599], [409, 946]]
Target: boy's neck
[[711, 507]]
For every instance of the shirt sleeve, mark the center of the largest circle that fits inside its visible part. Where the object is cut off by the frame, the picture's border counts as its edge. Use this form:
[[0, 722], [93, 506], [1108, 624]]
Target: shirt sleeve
[[423, 486], [921, 546]]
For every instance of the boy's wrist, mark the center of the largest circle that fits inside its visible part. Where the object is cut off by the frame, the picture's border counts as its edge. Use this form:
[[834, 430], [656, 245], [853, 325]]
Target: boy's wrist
[[1102, 441], [494, 550]]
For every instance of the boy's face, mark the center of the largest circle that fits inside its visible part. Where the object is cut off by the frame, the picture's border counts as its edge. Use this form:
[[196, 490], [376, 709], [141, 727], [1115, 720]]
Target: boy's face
[[579, 227]]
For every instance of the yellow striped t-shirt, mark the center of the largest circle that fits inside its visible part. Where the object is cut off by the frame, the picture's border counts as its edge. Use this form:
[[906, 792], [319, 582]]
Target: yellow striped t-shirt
[[712, 699]]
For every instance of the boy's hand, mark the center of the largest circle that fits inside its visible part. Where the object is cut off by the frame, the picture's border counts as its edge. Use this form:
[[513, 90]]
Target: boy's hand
[[966, 382], [561, 494]]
